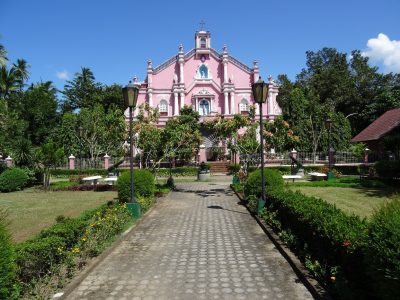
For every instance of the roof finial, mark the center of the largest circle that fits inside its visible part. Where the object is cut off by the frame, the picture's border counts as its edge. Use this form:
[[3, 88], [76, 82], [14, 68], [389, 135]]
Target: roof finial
[[202, 23]]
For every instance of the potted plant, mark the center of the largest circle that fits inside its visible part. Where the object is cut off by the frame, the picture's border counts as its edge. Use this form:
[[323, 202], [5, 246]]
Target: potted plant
[[203, 173]]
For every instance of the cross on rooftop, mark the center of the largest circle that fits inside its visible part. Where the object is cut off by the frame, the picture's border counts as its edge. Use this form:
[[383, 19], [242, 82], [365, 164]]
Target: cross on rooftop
[[202, 23]]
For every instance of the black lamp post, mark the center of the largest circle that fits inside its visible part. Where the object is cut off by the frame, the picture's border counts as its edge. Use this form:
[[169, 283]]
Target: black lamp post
[[80, 129], [260, 93], [130, 93], [328, 124]]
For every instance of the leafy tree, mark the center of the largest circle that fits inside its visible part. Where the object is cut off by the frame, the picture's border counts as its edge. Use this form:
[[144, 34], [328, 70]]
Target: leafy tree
[[49, 156], [110, 97], [37, 106], [279, 135], [3, 56], [81, 91]]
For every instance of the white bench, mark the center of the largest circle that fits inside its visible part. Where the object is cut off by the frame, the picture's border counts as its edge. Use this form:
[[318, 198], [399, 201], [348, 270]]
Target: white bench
[[111, 180], [92, 179], [293, 177], [317, 176]]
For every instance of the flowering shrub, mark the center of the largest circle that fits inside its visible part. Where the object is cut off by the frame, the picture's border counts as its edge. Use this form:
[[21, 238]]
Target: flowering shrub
[[103, 226], [66, 244]]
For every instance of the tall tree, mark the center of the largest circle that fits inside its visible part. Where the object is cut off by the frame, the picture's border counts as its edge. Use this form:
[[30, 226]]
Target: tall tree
[[81, 91]]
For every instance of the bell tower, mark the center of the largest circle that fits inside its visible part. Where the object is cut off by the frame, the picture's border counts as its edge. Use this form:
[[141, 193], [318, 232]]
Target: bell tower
[[202, 42]]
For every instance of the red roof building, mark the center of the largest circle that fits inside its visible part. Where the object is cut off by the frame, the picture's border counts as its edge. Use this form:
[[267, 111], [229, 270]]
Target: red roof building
[[386, 125]]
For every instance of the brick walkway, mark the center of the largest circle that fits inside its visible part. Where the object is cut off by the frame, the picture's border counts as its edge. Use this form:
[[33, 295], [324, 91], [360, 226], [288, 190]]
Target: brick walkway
[[197, 244]]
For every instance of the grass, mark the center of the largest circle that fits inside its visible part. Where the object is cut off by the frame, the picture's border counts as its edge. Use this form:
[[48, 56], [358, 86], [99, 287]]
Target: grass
[[32, 210], [358, 200]]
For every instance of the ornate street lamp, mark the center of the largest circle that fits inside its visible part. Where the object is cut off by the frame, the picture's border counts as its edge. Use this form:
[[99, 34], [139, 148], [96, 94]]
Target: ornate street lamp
[[130, 93], [260, 93], [328, 124]]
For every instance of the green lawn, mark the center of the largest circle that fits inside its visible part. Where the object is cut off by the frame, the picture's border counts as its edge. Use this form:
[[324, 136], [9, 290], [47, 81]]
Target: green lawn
[[361, 201], [31, 210]]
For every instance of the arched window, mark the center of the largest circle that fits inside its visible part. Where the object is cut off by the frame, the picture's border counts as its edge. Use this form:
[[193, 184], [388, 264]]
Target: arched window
[[163, 107], [203, 71], [204, 107], [203, 43], [244, 107]]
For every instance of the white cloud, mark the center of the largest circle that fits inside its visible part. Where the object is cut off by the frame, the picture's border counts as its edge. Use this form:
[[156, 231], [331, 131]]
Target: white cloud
[[63, 75], [386, 51]]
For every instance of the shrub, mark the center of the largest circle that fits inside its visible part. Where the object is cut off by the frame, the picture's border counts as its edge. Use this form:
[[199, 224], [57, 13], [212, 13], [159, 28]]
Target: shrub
[[324, 235], [144, 185], [383, 251], [84, 172], [388, 169], [176, 172], [12, 180], [252, 186], [7, 264], [36, 257], [233, 168], [68, 229]]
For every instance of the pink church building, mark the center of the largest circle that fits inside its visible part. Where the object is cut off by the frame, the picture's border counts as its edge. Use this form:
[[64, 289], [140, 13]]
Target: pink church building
[[209, 81]]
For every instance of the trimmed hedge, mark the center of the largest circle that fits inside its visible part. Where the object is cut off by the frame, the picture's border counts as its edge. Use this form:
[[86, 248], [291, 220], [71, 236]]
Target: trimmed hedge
[[13, 180], [285, 170], [143, 182], [176, 172], [7, 264], [253, 185], [327, 239], [85, 172], [383, 251]]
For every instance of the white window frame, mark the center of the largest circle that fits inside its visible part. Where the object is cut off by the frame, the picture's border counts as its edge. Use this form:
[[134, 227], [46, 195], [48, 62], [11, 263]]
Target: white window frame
[[244, 105], [163, 106]]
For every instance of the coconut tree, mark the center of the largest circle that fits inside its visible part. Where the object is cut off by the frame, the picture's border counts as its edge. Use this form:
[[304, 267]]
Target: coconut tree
[[3, 56]]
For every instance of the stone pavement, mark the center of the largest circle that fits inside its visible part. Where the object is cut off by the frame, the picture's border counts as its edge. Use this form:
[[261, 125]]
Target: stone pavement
[[198, 243]]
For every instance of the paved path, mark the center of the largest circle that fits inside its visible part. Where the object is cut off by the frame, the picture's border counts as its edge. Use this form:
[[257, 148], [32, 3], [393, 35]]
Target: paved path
[[197, 244]]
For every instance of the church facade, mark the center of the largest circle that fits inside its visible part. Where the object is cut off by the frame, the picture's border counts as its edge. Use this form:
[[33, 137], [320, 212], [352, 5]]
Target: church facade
[[211, 82]]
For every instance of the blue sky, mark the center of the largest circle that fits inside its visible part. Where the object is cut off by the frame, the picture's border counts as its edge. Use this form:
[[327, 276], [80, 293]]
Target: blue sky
[[116, 38]]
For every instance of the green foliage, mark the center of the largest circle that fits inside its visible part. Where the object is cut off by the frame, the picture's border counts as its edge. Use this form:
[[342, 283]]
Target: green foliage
[[102, 228], [56, 247], [388, 168], [253, 186], [177, 172], [13, 180], [7, 264], [358, 149], [49, 155], [35, 258], [279, 135], [144, 185], [321, 234], [83, 172], [383, 251], [233, 168], [346, 182]]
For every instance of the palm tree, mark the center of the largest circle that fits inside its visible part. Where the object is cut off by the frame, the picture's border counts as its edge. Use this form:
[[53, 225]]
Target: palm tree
[[3, 56], [21, 69], [9, 81]]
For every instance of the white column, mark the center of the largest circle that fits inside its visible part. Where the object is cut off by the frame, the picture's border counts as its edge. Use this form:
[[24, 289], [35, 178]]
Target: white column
[[270, 107], [226, 104], [150, 99], [176, 104], [182, 99], [225, 71], [232, 103], [182, 80], [197, 104]]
